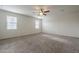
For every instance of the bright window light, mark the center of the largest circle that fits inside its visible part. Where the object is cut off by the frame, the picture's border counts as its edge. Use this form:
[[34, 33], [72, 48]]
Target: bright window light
[[11, 22], [37, 24]]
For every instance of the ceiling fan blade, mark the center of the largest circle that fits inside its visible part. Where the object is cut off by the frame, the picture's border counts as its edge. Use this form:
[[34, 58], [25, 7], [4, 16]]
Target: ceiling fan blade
[[46, 11], [44, 14], [42, 10]]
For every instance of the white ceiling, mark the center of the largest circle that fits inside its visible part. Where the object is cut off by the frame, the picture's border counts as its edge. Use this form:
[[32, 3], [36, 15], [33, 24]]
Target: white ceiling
[[30, 9]]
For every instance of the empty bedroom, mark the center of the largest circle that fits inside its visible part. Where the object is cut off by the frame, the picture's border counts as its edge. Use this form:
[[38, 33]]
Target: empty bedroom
[[39, 28]]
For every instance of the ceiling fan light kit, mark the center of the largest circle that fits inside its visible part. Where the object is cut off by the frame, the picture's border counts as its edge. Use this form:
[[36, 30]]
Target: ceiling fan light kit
[[41, 14]]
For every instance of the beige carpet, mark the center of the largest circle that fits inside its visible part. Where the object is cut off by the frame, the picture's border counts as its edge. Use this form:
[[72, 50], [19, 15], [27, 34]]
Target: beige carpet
[[40, 43]]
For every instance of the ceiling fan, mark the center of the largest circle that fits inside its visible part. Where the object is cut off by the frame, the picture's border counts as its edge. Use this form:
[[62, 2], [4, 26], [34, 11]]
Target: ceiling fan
[[42, 12]]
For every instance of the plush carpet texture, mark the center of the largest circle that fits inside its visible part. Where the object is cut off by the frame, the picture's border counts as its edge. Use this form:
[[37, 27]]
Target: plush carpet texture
[[40, 43]]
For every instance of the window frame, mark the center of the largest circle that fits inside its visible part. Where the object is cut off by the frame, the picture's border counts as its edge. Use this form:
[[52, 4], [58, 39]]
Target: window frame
[[37, 24], [10, 20]]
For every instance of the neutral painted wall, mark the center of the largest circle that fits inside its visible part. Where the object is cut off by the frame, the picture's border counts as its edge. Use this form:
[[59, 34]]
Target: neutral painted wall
[[62, 23], [25, 25]]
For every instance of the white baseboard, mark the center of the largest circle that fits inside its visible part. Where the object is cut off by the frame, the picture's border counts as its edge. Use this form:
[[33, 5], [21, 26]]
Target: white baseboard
[[60, 35], [20, 36]]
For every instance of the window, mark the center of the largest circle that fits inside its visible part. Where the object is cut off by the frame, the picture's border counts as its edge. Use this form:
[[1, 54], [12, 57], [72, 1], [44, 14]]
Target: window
[[11, 22], [37, 24]]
